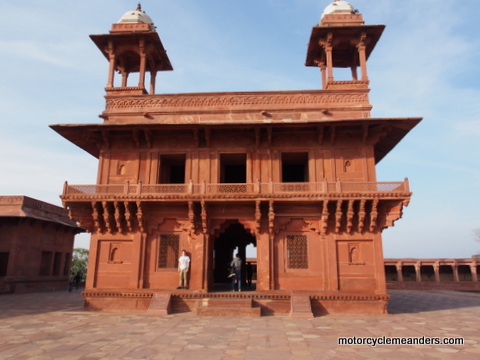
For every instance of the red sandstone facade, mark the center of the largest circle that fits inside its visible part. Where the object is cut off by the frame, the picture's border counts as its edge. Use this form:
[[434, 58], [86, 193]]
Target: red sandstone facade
[[36, 245], [291, 172]]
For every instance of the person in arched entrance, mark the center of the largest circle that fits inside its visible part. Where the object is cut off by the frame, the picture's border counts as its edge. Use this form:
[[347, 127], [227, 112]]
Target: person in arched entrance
[[249, 274], [236, 267]]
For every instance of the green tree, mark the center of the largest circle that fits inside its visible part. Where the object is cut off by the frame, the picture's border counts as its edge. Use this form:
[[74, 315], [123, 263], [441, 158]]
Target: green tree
[[79, 262]]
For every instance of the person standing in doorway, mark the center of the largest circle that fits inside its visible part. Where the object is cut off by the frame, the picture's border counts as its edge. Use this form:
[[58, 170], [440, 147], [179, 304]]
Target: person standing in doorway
[[236, 266], [249, 274], [183, 267]]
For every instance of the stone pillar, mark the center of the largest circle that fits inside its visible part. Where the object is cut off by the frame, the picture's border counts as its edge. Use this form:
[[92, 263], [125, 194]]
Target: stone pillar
[[92, 256], [362, 55], [329, 64], [124, 79], [143, 61], [142, 240], [354, 73], [473, 269], [455, 273], [111, 69], [136, 274], [436, 269], [263, 261], [418, 271], [399, 272], [323, 71], [203, 252], [327, 45], [153, 76]]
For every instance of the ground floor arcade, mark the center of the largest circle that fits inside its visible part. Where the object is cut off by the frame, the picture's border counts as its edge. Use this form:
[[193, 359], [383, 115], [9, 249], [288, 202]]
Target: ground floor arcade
[[300, 248]]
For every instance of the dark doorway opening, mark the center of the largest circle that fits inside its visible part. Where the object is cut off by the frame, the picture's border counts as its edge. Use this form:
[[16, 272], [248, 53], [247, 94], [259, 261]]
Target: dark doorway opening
[[234, 239], [3, 263], [295, 167], [172, 169], [391, 273], [233, 168]]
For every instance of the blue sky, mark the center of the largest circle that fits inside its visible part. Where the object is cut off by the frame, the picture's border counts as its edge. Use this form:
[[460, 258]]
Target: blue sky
[[426, 64]]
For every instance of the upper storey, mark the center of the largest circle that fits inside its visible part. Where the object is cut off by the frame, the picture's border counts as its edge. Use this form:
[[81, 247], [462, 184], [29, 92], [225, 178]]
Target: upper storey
[[133, 46], [341, 40]]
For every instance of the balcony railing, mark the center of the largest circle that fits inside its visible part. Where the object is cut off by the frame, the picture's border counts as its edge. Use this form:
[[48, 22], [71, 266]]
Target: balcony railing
[[257, 188]]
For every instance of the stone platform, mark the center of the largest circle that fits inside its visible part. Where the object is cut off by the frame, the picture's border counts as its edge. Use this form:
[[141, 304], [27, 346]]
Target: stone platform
[[55, 326], [247, 303]]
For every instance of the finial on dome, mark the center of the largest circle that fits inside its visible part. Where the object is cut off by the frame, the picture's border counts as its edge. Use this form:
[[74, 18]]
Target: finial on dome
[[139, 7]]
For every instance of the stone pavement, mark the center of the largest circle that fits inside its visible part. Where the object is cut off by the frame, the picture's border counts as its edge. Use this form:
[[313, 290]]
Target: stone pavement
[[54, 326]]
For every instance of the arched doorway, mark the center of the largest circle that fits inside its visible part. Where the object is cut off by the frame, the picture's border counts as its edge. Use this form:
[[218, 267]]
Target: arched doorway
[[234, 240]]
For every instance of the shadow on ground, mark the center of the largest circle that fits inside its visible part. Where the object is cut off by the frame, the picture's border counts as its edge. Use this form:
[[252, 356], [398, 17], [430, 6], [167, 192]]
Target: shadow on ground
[[415, 301], [41, 302]]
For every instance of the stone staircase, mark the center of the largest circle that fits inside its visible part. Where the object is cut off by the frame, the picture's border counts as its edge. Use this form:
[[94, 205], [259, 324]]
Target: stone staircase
[[160, 303], [301, 306], [227, 306]]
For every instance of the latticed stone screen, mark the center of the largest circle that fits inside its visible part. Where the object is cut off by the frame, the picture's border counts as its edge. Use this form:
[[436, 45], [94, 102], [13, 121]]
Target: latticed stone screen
[[168, 257], [297, 251]]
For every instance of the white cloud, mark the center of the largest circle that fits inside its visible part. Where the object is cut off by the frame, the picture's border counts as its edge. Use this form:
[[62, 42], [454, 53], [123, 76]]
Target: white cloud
[[34, 51]]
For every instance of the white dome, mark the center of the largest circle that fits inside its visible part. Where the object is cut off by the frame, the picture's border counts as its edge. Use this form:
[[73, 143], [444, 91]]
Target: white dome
[[136, 17], [339, 7]]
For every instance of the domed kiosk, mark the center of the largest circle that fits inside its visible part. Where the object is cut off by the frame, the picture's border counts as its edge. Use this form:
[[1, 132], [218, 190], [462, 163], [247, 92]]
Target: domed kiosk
[[339, 7], [133, 46], [136, 16]]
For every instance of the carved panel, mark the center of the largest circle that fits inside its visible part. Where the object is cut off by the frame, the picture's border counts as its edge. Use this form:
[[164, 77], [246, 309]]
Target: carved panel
[[115, 254], [350, 165], [297, 252], [168, 251], [355, 254], [122, 167]]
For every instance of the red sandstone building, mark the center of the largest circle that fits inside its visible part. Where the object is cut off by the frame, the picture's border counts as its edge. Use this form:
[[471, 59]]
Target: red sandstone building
[[290, 172], [36, 245]]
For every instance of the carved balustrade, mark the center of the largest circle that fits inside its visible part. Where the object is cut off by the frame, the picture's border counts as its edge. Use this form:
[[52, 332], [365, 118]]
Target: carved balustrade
[[250, 190]]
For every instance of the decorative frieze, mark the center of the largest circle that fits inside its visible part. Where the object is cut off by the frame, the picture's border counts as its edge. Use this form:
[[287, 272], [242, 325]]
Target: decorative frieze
[[217, 101]]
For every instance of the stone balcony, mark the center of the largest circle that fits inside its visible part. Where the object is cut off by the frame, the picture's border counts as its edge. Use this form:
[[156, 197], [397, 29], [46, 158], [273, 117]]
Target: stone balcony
[[243, 191]]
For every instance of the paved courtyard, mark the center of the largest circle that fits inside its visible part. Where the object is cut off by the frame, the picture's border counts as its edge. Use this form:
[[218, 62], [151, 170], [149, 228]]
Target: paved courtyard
[[54, 326]]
